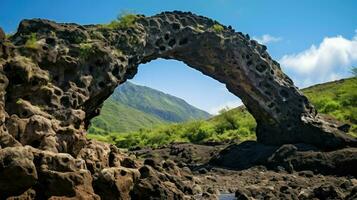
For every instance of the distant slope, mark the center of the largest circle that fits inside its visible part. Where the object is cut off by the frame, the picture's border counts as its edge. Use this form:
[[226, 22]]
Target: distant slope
[[117, 117], [164, 106], [337, 99], [132, 107]]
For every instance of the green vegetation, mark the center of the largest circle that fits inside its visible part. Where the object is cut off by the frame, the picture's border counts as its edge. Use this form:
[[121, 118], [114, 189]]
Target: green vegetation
[[229, 125], [338, 99], [117, 117], [31, 42], [85, 50], [8, 35], [217, 28], [124, 20], [19, 101], [132, 107]]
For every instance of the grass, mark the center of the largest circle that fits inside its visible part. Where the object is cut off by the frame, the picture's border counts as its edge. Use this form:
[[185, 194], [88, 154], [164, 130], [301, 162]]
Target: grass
[[217, 28], [31, 42], [117, 117], [338, 99], [124, 20]]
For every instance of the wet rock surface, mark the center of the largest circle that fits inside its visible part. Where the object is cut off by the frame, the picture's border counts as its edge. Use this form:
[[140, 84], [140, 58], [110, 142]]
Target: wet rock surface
[[54, 78]]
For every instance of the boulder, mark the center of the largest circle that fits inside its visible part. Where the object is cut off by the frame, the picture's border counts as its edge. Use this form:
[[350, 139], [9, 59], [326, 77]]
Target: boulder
[[152, 185], [17, 171], [115, 183]]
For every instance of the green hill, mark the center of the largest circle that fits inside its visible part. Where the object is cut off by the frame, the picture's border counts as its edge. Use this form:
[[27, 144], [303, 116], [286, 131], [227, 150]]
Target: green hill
[[132, 107], [337, 99], [118, 117]]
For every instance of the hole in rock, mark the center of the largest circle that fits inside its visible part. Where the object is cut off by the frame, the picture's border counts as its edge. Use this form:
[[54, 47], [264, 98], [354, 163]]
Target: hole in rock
[[35, 143], [168, 101], [167, 36], [183, 41], [24, 113], [122, 173], [101, 84], [29, 170], [176, 26], [172, 42]]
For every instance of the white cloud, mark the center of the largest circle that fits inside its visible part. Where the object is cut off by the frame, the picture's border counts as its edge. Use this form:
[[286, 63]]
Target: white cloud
[[330, 60], [229, 105], [266, 38]]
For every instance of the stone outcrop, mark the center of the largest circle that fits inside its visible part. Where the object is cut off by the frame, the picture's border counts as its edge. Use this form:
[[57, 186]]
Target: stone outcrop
[[54, 78], [298, 157]]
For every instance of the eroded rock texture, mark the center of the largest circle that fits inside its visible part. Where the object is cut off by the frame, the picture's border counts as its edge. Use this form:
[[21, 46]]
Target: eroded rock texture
[[55, 77]]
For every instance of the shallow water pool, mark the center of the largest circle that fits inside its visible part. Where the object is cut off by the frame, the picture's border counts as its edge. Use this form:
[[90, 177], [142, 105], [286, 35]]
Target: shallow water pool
[[227, 196]]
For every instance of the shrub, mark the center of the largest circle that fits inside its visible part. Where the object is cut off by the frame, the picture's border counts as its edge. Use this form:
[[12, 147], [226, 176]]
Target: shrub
[[124, 20], [127, 140], [331, 106], [158, 139], [217, 28], [352, 115], [319, 104], [31, 42]]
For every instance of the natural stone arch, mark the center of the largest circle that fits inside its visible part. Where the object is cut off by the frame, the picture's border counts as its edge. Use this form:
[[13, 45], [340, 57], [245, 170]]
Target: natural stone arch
[[282, 112], [72, 69]]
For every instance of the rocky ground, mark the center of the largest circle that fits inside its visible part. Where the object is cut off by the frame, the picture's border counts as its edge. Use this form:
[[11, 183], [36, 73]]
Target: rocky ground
[[262, 181]]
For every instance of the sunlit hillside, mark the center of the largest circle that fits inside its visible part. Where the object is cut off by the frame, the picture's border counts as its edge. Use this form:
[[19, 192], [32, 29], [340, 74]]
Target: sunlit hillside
[[338, 99]]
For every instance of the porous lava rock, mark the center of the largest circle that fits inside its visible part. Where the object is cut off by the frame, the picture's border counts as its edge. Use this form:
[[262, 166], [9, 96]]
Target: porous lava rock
[[290, 157], [54, 78], [2, 35]]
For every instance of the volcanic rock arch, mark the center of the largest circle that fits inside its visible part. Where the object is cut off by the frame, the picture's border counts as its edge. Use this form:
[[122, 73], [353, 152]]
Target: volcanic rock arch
[[283, 114], [55, 77]]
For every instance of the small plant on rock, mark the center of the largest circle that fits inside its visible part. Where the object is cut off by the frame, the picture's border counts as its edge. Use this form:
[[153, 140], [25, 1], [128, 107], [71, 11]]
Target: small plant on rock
[[85, 50], [124, 20], [19, 101], [32, 42], [217, 28]]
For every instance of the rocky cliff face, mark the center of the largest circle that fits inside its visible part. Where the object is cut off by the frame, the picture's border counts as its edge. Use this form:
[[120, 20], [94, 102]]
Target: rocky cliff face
[[55, 77]]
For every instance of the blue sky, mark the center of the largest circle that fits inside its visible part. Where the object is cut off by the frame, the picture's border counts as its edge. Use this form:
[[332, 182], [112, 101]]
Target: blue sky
[[315, 41]]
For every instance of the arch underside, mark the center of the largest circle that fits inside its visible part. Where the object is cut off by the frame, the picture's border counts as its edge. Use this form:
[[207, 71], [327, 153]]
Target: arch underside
[[52, 89]]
